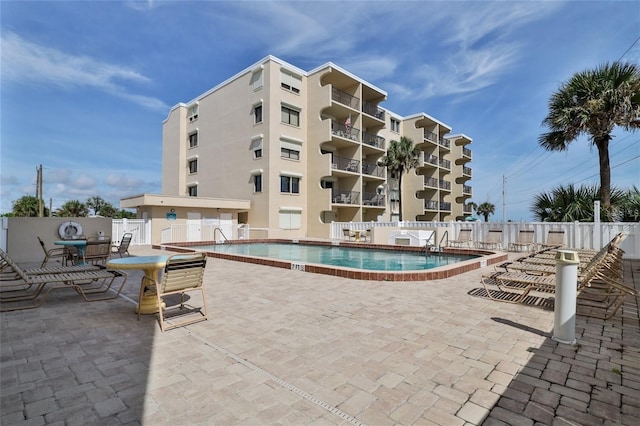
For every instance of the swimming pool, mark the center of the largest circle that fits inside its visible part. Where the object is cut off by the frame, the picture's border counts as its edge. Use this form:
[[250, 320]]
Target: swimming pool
[[348, 259]]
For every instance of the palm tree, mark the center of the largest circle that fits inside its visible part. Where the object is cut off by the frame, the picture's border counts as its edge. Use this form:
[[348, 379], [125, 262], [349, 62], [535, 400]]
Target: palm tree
[[27, 206], [401, 156], [73, 208], [485, 209], [593, 102]]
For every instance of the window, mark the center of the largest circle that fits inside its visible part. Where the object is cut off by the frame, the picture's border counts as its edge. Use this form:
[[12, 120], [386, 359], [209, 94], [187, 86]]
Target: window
[[256, 80], [290, 218], [257, 114], [290, 116], [257, 183], [193, 140], [289, 153], [290, 184], [193, 190], [395, 125], [257, 153], [193, 166], [192, 112], [256, 146], [290, 82]]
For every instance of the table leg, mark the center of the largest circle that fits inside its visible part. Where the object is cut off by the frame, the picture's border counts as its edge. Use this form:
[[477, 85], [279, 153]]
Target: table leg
[[148, 303]]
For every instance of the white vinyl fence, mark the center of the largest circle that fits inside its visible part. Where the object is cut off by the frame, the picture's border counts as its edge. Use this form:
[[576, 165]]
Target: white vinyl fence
[[140, 228], [588, 235]]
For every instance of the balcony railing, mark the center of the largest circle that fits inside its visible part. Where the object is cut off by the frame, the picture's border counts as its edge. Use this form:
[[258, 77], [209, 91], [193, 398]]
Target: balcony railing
[[430, 136], [372, 169], [345, 98], [373, 110], [346, 164], [467, 209], [466, 152], [445, 185], [430, 205], [343, 131], [446, 164], [345, 197], [431, 159], [466, 171], [444, 142], [430, 182], [372, 199], [445, 206], [466, 189], [373, 140]]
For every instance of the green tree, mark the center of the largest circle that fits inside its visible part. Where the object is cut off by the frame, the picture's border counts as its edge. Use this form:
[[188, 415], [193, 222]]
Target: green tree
[[485, 209], [73, 208], [629, 208], [107, 210], [96, 203], [124, 214], [27, 206], [570, 203], [592, 103], [401, 157]]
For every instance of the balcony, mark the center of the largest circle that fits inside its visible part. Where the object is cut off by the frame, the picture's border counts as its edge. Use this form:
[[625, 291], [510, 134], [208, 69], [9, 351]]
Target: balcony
[[431, 159], [343, 131], [445, 164], [445, 206], [466, 189], [466, 152], [373, 110], [372, 199], [373, 140], [345, 98], [430, 182], [444, 142], [345, 197], [372, 169], [445, 185], [430, 205], [467, 209], [466, 171], [346, 164], [431, 136]]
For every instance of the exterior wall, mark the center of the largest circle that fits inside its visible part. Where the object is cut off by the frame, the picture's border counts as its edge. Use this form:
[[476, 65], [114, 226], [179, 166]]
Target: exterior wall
[[23, 233], [339, 176]]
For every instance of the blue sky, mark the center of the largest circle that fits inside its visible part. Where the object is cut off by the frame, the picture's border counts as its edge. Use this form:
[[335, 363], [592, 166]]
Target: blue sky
[[85, 86]]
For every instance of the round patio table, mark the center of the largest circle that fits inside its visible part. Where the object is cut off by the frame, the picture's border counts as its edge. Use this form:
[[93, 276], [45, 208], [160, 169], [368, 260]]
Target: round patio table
[[80, 245], [151, 265]]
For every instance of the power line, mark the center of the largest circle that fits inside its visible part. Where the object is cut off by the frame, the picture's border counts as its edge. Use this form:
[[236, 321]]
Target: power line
[[612, 167], [627, 51]]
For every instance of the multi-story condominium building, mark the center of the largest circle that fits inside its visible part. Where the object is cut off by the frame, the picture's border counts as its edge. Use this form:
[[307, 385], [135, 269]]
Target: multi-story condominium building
[[305, 147]]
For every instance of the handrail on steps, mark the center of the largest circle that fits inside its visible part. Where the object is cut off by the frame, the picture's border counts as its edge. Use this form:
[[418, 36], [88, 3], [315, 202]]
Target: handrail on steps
[[226, 240]]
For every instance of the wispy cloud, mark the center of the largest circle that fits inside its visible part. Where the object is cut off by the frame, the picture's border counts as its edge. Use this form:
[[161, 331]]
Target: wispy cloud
[[30, 63]]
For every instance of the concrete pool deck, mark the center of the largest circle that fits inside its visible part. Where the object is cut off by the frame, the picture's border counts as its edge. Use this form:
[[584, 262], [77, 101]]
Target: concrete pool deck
[[286, 347]]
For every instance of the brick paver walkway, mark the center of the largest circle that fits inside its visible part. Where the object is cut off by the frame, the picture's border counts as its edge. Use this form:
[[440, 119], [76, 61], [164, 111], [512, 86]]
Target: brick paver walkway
[[287, 347]]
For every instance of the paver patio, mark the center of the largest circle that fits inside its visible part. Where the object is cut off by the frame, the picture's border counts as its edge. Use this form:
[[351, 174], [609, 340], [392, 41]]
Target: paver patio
[[288, 347]]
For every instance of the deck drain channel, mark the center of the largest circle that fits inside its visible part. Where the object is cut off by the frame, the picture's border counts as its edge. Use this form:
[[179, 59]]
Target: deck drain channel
[[282, 382]]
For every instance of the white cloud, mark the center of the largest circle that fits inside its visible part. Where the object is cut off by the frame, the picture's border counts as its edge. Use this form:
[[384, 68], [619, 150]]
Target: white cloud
[[27, 62], [122, 182]]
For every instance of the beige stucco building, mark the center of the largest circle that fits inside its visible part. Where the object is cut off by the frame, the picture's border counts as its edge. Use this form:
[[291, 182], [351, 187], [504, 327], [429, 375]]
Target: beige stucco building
[[303, 148]]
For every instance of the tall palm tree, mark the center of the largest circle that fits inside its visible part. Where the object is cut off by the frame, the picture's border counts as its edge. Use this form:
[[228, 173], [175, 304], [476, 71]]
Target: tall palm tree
[[485, 209], [593, 102], [401, 157], [73, 208]]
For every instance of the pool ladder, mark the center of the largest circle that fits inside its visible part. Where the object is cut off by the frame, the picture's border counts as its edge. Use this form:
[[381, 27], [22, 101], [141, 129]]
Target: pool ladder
[[226, 240], [438, 248]]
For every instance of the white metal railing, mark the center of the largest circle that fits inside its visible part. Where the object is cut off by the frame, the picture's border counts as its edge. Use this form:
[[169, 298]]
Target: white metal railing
[[587, 235], [140, 228]]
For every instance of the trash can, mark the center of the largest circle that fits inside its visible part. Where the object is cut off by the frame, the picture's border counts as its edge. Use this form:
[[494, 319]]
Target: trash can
[[564, 320]]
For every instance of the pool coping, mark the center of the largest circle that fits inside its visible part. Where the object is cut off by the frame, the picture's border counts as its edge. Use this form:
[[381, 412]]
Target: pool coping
[[487, 258]]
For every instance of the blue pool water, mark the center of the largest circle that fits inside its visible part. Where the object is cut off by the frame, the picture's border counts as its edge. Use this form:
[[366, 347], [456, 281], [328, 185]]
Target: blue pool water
[[367, 259]]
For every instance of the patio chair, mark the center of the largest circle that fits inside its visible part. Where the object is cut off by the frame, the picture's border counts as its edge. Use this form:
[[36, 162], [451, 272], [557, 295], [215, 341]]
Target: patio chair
[[123, 247], [27, 287], [55, 253], [183, 273], [493, 239], [526, 240], [464, 238], [97, 251], [555, 239], [348, 234]]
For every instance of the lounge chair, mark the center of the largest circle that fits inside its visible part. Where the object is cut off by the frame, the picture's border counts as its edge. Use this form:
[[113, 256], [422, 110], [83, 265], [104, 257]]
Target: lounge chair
[[493, 239], [348, 234], [123, 247], [464, 238], [555, 239], [27, 287], [62, 254], [525, 240], [183, 273]]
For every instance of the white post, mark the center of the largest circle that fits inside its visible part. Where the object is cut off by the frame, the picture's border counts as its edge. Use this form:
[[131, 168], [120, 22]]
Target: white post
[[596, 238], [564, 319]]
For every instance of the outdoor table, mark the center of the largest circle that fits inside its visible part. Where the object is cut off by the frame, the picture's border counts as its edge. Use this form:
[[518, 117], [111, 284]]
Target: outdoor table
[[151, 265], [80, 245]]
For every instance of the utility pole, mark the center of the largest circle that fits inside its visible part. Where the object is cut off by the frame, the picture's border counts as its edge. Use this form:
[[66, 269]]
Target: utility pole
[[39, 192], [504, 198]]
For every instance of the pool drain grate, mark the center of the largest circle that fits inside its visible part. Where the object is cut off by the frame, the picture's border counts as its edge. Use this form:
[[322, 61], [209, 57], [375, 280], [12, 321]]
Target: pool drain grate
[[282, 382]]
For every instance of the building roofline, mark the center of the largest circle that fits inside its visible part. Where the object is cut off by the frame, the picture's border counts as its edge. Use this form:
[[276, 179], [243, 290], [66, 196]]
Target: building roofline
[[344, 71]]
